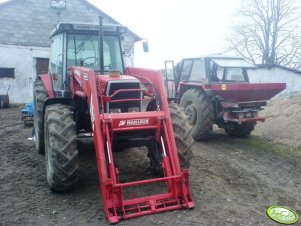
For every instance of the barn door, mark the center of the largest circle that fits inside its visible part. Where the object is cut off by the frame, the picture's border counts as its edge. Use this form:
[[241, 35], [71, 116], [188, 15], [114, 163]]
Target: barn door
[[42, 66]]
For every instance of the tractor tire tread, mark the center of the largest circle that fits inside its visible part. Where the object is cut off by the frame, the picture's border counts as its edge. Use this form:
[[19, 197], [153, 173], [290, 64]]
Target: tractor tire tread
[[40, 96], [61, 148], [205, 114], [240, 130], [182, 132]]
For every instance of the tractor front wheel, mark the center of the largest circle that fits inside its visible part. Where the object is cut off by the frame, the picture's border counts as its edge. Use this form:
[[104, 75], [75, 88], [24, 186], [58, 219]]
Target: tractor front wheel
[[199, 111], [182, 132], [240, 130], [60, 147]]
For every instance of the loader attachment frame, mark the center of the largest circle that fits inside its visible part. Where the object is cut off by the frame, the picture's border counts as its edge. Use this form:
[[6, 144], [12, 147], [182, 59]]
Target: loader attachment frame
[[105, 125]]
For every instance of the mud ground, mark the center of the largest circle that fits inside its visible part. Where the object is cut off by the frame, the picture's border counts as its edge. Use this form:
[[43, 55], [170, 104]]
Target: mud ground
[[232, 182]]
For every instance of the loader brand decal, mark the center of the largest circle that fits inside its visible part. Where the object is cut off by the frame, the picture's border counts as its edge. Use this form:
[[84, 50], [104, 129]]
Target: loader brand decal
[[224, 87], [85, 76], [282, 215], [92, 113], [134, 122], [122, 123]]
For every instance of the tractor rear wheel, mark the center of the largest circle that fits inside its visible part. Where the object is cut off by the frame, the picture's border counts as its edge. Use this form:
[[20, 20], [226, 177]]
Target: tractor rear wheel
[[60, 147], [240, 130], [200, 113], [182, 132], [39, 97]]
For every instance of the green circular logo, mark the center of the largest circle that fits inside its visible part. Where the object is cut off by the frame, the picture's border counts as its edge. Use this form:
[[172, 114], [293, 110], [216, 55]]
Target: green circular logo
[[282, 214]]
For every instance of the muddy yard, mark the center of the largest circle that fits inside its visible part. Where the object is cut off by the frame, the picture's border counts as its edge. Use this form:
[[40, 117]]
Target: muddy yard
[[233, 181]]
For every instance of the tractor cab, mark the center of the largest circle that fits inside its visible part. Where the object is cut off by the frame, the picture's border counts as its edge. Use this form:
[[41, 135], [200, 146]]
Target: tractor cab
[[78, 45], [223, 69], [213, 69]]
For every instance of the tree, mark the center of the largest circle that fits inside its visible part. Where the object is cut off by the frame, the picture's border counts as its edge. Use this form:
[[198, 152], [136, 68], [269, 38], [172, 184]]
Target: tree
[[267, 32]]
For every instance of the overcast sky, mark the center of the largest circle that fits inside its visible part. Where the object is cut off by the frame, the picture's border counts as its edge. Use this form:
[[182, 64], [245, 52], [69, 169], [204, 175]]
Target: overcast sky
[[174, 28]]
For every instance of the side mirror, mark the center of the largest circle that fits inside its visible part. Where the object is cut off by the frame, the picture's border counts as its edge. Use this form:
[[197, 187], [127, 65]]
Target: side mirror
[[145, 46]]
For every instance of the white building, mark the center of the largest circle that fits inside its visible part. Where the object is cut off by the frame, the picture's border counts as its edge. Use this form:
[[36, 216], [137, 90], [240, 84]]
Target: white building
[[275, 74], [24, 39]]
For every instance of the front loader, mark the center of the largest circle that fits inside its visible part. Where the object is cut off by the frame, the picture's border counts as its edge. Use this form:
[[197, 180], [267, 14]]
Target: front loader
[[88, 90]]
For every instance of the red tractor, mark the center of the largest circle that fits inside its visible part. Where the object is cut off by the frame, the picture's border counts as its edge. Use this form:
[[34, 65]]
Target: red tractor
[[88, 90], [216, 90]]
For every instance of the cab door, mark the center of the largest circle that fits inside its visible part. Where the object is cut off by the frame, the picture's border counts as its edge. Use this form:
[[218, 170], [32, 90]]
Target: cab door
[[56, 66]]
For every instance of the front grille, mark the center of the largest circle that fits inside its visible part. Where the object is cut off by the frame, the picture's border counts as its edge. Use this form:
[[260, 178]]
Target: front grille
[[124, 106]]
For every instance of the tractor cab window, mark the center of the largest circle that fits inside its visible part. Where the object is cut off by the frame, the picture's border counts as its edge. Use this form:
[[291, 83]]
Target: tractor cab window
[[216, 72], [83, 50], [234, 74], [186, 69], [229, 70], [224, 74], [198, 71], [56, 62]]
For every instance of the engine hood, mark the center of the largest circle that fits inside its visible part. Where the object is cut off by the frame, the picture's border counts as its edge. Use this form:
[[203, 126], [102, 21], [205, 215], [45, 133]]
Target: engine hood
[[103, 80]]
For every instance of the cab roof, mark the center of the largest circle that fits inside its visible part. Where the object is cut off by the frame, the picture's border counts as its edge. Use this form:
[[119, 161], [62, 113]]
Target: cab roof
[[226, 61], [87, 28]]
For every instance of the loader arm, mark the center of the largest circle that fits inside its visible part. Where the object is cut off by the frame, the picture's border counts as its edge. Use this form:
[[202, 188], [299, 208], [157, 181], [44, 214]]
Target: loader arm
[[105, 125]]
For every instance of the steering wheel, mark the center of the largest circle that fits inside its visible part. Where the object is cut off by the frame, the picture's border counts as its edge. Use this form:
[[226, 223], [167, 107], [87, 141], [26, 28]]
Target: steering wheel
[[93, 63]]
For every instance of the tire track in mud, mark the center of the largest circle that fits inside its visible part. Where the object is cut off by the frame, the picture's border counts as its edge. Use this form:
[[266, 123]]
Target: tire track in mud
[[245, 181], [232, 184]]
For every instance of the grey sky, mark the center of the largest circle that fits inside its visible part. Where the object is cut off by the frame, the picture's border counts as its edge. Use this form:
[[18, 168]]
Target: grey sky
[[175, 28]]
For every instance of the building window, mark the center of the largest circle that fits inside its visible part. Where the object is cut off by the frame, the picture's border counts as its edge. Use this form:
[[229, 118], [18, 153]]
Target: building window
[[7, 72]]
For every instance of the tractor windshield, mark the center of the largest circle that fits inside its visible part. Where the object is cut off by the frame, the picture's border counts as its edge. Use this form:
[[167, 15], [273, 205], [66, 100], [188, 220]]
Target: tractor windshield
[[227, 74], [83, 50]]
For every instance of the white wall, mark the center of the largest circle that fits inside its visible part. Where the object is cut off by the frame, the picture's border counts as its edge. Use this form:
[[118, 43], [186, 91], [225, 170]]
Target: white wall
[[23, 60], [274, 75]]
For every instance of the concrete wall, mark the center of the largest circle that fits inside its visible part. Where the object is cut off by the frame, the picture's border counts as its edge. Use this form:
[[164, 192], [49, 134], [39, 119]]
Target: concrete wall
[[24, 36], [23, 60], [276, 74]]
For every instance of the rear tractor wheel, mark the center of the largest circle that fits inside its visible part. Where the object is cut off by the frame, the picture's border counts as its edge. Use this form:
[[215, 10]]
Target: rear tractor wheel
[[60, 147], [240, 130], [199, 111]]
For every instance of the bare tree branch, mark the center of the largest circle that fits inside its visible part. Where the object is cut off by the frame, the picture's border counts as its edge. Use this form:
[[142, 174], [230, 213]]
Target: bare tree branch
[[267, 32]]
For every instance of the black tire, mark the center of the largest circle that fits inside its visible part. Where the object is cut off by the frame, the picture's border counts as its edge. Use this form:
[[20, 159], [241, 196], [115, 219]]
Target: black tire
[[60, 147], [39, 97], [200, 113], [182, 132], [240, 130]]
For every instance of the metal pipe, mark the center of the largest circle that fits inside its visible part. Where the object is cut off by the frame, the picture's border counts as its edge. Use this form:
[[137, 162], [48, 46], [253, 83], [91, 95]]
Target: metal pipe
[[101, 55]]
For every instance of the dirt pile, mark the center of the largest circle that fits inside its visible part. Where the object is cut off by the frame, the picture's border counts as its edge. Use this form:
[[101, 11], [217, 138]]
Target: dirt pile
[[283, 121]]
